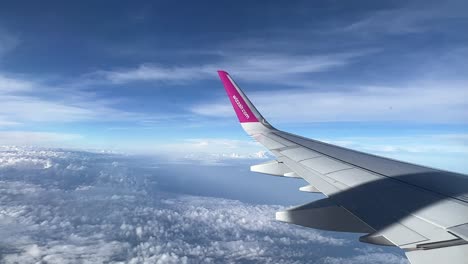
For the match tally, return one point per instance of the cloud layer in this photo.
(78, 207)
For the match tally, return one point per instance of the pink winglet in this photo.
(240, 106)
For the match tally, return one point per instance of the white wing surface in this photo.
(422, 210)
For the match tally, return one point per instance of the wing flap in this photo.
(324, 214)
(313, 178)
(461, 231)
(274, 167)
(451, 254)
(401, 235)
(309, 188)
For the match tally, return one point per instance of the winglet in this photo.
(251, 120)
(245, 111)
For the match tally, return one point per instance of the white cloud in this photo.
(16, 137)
(398, 21)
(412, 18)
(8, 84)
(8, 42)
(432, 143)
(444, 151)
(212, 150)
(6, 123)
(147, 72)
(370, 258)
(285, 69)
(28, 101)
(112, 212)
(418, 102)
(34, 109)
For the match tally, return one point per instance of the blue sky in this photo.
(388, 78)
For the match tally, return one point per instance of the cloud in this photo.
(282, 68)
(28, 101)
(211, 150)
(8, 42)
(113, 210)
(9, 85)
(436, 143)
(445, 151)
(418, 102)
(414, 17)
(6, 123)
(15, 137)
(149, 72)
(34, 109)
(398, 21)
(370, 258)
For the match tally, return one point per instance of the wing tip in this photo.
(244, 110)
(223, 72)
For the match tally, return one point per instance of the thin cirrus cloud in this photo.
(419, 102)
(440, 143)
(34, 138)
(256, 67)
(8, 85)
(410, 19)
(8, 42)
(443, 150)
(399, 21)
(300, 60)
(27, 101)
(21, 101)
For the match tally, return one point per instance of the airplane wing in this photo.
(422, 210)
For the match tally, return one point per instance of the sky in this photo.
(119, 145)
(140, 77)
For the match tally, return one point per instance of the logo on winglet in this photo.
(241, 107)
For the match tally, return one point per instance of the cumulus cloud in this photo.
(367, 258)
(59, 206)
(213, 150)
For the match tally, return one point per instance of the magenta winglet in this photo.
(244, 113)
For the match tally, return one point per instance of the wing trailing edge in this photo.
(326, 215)
(451, 254)
(275, 168)
(309, 188)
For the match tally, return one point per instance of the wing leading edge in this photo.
(422, 210)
